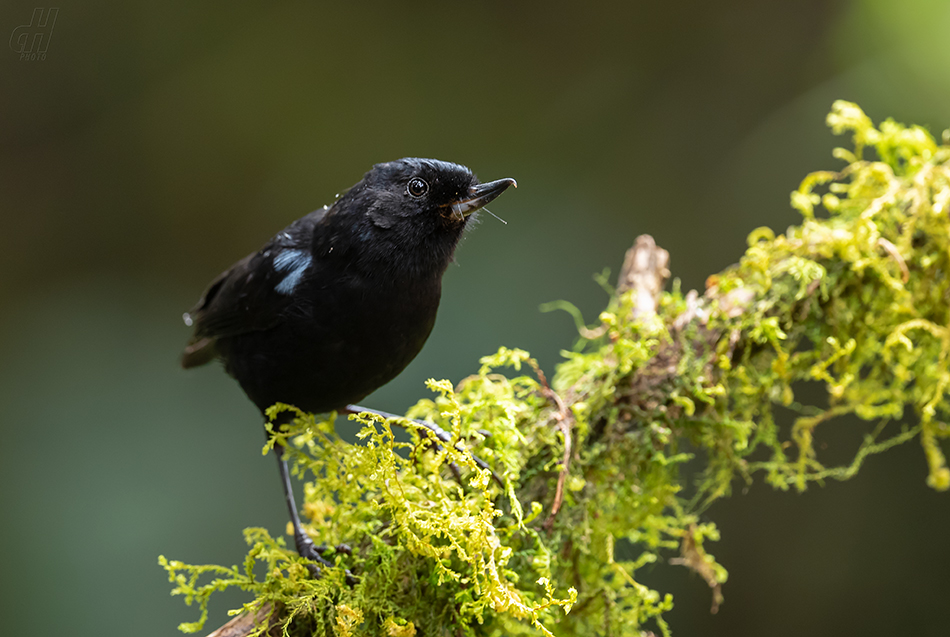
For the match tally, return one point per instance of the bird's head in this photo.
(414, 204)
(429, 192)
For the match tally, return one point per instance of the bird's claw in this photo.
(445, 438)
(308, 550)
(440, 434)
(339, 548)
(436, 430)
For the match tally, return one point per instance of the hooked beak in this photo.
(479, 196)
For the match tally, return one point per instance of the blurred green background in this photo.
(159, 142)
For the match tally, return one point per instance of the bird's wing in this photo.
(252, 295)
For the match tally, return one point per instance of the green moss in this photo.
(854, 299)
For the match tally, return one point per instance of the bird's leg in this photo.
(305, 546)
(436, 430)
(439, 432)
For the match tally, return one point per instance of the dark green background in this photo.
(160, 142)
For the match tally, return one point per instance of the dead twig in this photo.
(565, 421)
(695, 559)
(895, 254)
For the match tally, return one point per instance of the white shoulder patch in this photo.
(294, 263)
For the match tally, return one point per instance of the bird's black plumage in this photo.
(339, 302)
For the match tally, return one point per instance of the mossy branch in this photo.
(855, 299)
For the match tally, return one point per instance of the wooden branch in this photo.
(245, 624)
(645, 271)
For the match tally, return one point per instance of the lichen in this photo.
(855, 299)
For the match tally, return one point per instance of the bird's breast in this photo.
(336, 345)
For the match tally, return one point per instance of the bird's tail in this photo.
(199, 352)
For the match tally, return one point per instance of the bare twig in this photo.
(696, 560)
(565, 424)
(895, 254)
(565, 420)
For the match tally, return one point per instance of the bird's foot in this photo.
(308, 550)
(445, 438)
(438, 432)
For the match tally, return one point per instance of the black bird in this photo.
(339, 302)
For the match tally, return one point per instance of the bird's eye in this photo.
(417, 187)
